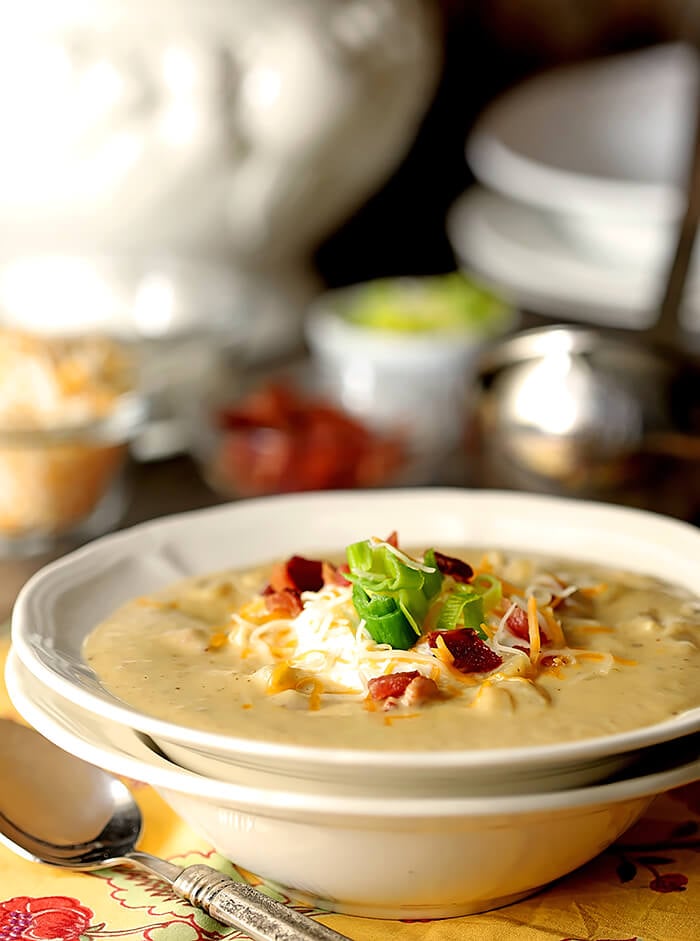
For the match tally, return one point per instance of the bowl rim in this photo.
(104, 561)
(506, 166)
(120, 425)
(120, 750)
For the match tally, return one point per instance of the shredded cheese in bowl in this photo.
(67, 409)
(326, 650)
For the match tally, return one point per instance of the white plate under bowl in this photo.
(603, 138)
(446, 855)
(61, 604)
(522, 252)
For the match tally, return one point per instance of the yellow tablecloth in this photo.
(645, 888)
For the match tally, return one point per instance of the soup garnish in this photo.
(479, 648)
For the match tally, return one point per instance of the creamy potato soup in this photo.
(466, 648)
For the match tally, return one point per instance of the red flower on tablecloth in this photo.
(51, 918)
(669, 882)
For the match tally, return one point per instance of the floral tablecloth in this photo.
(645, 888)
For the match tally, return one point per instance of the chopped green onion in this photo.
(462, 606)
(490, 589)
(433, 580)
(444, 303)
(384, 619)
(380, 566)
(379, 572)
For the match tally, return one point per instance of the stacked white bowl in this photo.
(322, 822)
(580, 174)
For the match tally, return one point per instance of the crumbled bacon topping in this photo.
(393, 684)
(517, 624)
(286, 602)
(298, 573)
(278, 440)
(471, 654)
(458, 569)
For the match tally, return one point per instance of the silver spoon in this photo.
(587, 409)
(60, 810)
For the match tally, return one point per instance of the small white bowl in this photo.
(604, 139)
(385, 858)
(61, 604)
(404, 381)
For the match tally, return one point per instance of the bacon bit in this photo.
(391, 684)
(458, 569)
(333, 575)
(278, 440)
(471, 654)
(516, 622)
(286, 603)
(552, 661)
(534, 629)
(298, 573)
(519, 625)
(393, 539)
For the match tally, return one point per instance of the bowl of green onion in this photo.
(399, 352)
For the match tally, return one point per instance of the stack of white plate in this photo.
(323, 821)
(579, 191)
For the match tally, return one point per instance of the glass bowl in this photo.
(281, 435)
(68, 410)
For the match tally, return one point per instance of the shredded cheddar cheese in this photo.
(442, 651)
(217, 640)
(281, 678)
(590, 591)
(533, 625)
(554, 629)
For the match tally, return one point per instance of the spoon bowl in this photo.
(59, 810)
(579, 411)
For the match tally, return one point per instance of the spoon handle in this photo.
(241, 906)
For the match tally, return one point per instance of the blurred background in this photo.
(249, 248)
(488, 47)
